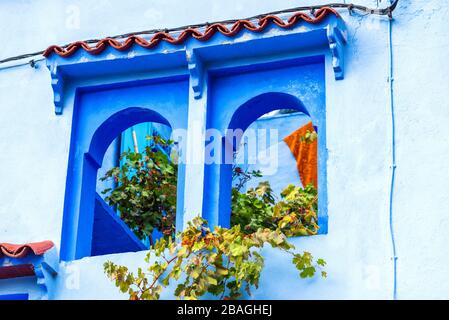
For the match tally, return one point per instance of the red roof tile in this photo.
(263, 22)
(22, 250)
(22, 270)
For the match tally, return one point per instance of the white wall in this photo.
(421, 202)
(34, 144)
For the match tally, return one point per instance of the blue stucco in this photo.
(38, 203)
(110, 234)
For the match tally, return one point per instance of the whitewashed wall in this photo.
(34, 144)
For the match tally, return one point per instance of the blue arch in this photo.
(116, 124)
(264, 103)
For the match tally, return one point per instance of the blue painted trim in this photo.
(68, 233)
(57, 83)
(114, 245)
(337, 40)
(193, 56)
(17, 296)
(196, 70)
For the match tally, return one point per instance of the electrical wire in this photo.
(393, 158)
(349, 6)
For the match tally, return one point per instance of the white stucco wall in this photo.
(34, 144)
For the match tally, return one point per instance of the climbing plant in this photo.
(295, 212)
(221, 262)
(145, 189)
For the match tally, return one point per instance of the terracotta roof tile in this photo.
(318, 16)
(22, 250)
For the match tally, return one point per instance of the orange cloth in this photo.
(305, 154)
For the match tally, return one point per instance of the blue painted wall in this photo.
(110, 234)
(35, 146)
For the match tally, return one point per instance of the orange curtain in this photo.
(305, 154)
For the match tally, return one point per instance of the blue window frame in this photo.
(99, 117)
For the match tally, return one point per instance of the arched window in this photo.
(126, 217)
(100, 230)
(239, 97)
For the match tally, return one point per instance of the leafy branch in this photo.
(222, 262)
(145, 192)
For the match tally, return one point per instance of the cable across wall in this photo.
(388, 11)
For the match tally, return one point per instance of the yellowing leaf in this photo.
(212, 281)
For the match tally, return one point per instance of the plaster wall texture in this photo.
(34, 145)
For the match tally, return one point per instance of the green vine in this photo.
(295, 212)
(145, 192)
(221, 262)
